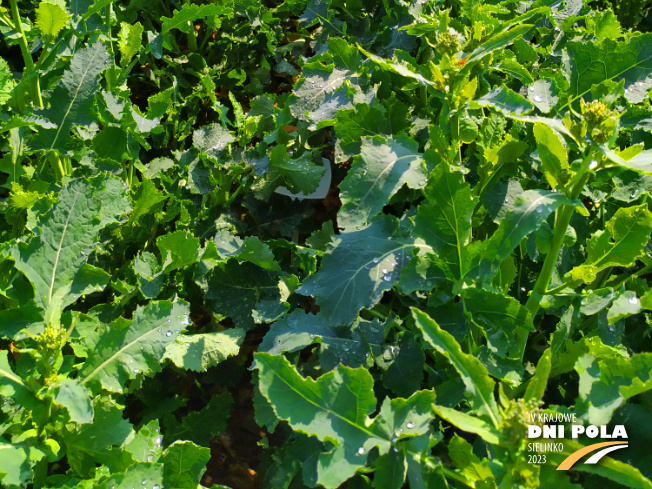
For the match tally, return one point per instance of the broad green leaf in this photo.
(529, 211)
(543, 94)
(198, 352)
(200, 426)
(50, 19)
(298, 330)
(383, 167)
(500, 317)
(240, 291)
(71, 102)
(471, 424)
(126, 351)
(142, 475)
(516, 70)
(14, 387)
(444, 220)
(182, 19)
(15, 463)
(554, 159)
(211, 139)
(405, 374)
(130, 38)
(98, 442)
(461, 453)
(178, 249)
(479, 386)
(357, 268)
(336, 408)
(618, 245)
(391, 470)
(627, 304)
(299, 175)
(55, 260)
(184, 463)
(607, 381)
(71, 394)
(590, 64)
(398, 68)
(145, 445)
(536, 387)
(250, 249)
(146, 200)
(506, 101)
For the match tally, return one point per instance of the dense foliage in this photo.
(310, 243)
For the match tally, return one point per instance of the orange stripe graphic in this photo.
(574, 457)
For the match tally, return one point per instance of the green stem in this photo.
(34, 85)
(55, 163)
(111, 75)
(563, 218)
(192, 40)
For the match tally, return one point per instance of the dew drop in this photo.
(169, 320)
(640, 84)
(156, 486)
(531, 89)
(375, 260)
(387, 278)
(633, 194)
(187, 344)
(410, 425)
(361, 451)
(538, 98)
(143, 482)
(522, 289)
(506, 201)
(176, 331)
(422, 183)
(540, 209)
(169, 333)
(136, 370)
(158, 440)
(633, 300)
(384, 270)
(150, 458)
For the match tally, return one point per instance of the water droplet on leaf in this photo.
(361, 451)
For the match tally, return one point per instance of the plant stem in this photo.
(562, 221)
(110, 75)
(192, 40)
(34, 85)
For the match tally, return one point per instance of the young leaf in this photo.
(383, 167)
(182, 19)
(536, 387)
(343, 419)
(619, 245)
(200, 426)
(129, 41)
(50, 19)
(134, 476)
(554, 158)
(14, 457)
(184, 464)
(71, 394)
(126, 351)
(474, 375)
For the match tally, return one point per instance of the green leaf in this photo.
(391, 470)
(130, 38)
(461, 453)
(627, 304)
(506, 101)
(444, 220)
(71, 394)
(126, 351)
(250, 249)
(618, 245)
(211, 139)
(543, 94)
(398, 68)
(383, 167)
(300, 175)
(479, 386)
(200, 426)
(184, 464)
(471, 424)
(238, 290)
(536, 387)
(529, 211)
(178, 249)
(357, 268)
(182, 19)
(321, 93)
(6, 82)
(516, 70)
(607, 380)
(15, 463)
(590, 64)
(12, 386)
(98, 442)
(343, 419)
(150, 473)
(198, 352)
(54, 261)
(51, 18)
(71, 102)
(554, 159)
